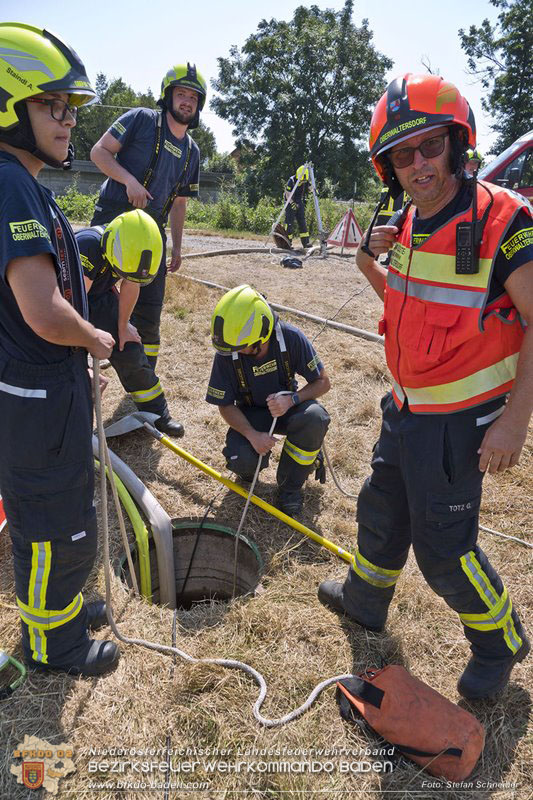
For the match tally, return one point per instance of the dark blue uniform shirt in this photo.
(95, 265)
(26, 230)
(136, 132)
(266, 375)
(299, 193)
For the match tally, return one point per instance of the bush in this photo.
(76, 206)
(230, 212)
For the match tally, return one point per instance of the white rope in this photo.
(166, 649)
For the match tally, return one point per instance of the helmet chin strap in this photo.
(22, 136)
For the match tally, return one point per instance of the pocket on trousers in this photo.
(452, 507)
(50, 503)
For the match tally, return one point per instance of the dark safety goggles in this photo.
(58, 108)
(429, 148)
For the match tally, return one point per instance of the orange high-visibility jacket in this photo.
(446, 348)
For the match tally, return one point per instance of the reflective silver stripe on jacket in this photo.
(437, 294)
(39, 394)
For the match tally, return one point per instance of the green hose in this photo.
(141, 535)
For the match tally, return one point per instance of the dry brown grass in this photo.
(283, 632)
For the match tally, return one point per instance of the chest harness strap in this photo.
(152, 167)
(281, 355)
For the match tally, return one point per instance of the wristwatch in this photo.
(295, 397)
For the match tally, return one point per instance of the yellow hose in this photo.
(270, 509)
(141, 536)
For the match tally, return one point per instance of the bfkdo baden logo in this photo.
(43, 764)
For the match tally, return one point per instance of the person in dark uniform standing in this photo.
(296, 208)
(257, 358)
(153, 164)
(127, 250)
(458, 314)
(46, 459)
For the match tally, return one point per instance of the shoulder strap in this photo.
(244, 389)
(281, 355)
(155, 152)
(174, 193)
(284, 355)
(64, 262)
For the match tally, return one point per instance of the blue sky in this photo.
(139, 41)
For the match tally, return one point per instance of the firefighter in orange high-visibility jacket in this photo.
(458, 314)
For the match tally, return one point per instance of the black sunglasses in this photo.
(58, 108)
(429, 148)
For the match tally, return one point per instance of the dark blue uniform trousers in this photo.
(47, 482)
(304, 426)
(299, 214)
(425, 492)
(132, 366)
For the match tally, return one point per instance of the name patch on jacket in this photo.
(313, 363)
(28, 229)
(218, 393)
(521, 239)
(399, 257)
(172, 148)
(264, 369)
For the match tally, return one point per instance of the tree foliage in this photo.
(501, 57)
(115, 98)
(301, 91)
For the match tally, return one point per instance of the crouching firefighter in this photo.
(456, 296)
(46, 459)
(257, 358)
(129, 250)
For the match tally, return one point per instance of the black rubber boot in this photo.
(96, 615)
(95, 658)
(169, 426)
(291, 503)
(485, 678)
(330, 595)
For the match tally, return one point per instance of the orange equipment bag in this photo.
(422, 724)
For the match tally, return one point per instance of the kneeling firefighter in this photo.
(129, 250)
(257, 358)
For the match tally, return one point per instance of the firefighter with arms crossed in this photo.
(152, 163)
(46, 460)
(459, 344)
(257, 358)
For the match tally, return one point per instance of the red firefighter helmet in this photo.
(415, 103)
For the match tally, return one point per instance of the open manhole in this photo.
(204, 555)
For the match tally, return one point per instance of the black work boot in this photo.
(96, 615)
(485, 678)
(330, 594)
(291, 503)
(94, 658)
(170, 426)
